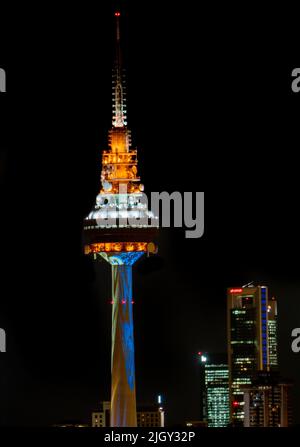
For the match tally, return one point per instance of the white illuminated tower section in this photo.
(120, 229)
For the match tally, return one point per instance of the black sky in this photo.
(211, 109)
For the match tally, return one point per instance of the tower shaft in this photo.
(123, 396)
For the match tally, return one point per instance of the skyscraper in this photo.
(214, 393)
(120, 229)
(252, 341)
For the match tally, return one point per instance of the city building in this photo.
(150, 416)
(267, 403)
(214, 393)
(121, 230)
(273, 334)
(147, 416)
(217, 395)
(252, 341)
(102, 418)
(202, 360)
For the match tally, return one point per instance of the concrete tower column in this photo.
(123, 397)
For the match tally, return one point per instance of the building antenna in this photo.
(119, 113)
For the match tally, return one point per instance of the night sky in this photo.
(211, 109)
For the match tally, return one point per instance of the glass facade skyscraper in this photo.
(214, 389)
(217, 395)
(252, 341)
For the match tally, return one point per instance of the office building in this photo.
(252, 341)
(267, 403)
(214, 394)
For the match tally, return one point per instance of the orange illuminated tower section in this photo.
(121, 229)
(119, 164)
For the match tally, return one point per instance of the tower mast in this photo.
(120, 229)
(119, 88)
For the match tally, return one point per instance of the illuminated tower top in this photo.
(121, 204)
(119, 163)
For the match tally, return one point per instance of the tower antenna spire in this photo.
(119, 89)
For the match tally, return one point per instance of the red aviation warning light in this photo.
(117, 14)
